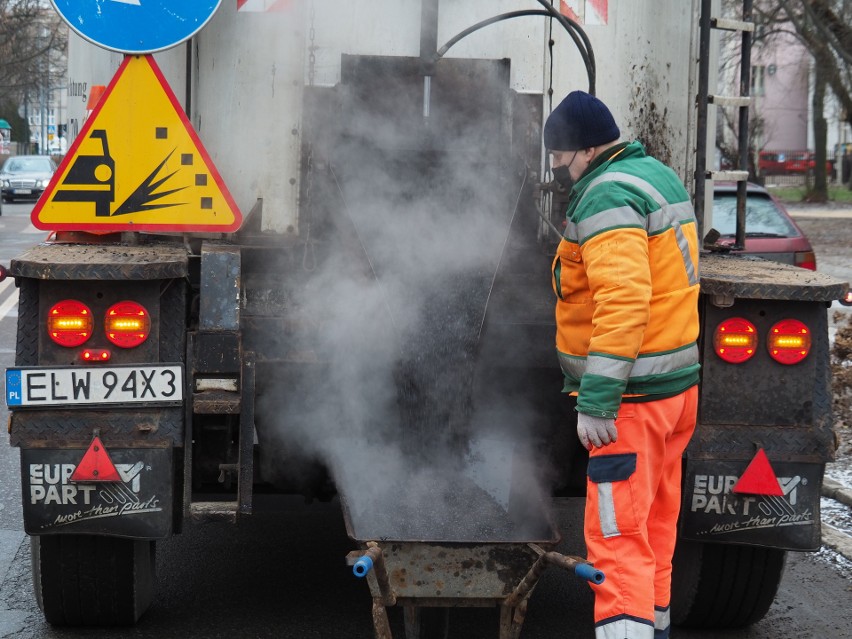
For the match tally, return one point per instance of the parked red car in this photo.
(771, 232)
(787, 162)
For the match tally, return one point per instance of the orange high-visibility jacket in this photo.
(626, 281)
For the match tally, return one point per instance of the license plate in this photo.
(75, 385)
(22, 191)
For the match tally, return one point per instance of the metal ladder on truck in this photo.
(742, 102)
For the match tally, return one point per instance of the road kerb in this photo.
(837, 540)
(836, 490)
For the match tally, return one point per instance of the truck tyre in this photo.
(723, 586)
(427, 623)
(91, 580)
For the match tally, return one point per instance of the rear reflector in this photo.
(759, 478)
(735, 340)
(95, 465)
(127, 324)
(69, 323)
(789, 341)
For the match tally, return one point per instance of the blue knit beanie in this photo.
(580, 121)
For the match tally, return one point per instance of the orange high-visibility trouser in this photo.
(632, 508)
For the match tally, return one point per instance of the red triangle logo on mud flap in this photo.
(759, 478)
(95, 465)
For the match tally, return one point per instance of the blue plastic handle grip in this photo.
(362, 566)
(589, 573)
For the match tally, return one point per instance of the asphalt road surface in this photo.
(281, 572)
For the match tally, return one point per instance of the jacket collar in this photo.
(615, 153)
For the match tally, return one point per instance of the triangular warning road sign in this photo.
(95, 465)
(759, 478)
(137, 165)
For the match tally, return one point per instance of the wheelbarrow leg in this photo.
(380, 620)
(512, 620)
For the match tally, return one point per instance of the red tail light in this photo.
(806, 259)
(96, 355)
(789, 341)
(735, 340)
(127, 324)
(69, 323)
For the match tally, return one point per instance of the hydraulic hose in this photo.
(577, 35)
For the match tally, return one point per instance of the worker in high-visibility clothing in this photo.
(626, 282)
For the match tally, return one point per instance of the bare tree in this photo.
(32, 52)
(824, 27)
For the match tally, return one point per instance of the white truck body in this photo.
(250, 70)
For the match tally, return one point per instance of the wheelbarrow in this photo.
(427, 576)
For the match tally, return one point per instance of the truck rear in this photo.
(381, 321)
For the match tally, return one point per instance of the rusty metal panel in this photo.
(217, 352)
(73, 428)
(220, 288)
(742, 276)
(425, 570)
(813, 445)
(216, 402)
(102, 262)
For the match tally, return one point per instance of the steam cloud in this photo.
(399, 302)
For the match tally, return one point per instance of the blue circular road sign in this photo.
(136, 26)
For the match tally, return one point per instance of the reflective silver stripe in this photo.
(616, 176)
(575, 367)
(602, 220)
(666, 363)
(572, 366)
(606, 510)
(662, 618)
(668, 214)
(689, 265)
(624, 629)
(608, 367)
(571, 233)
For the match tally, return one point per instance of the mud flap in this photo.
(139, 506)
(712, 512)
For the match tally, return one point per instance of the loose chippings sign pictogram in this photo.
(137, 165)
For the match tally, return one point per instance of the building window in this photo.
(758, 73)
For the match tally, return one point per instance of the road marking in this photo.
(9, 304)
(32, 230)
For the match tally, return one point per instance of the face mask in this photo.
(562, 175)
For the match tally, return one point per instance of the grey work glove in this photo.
(595, 432)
